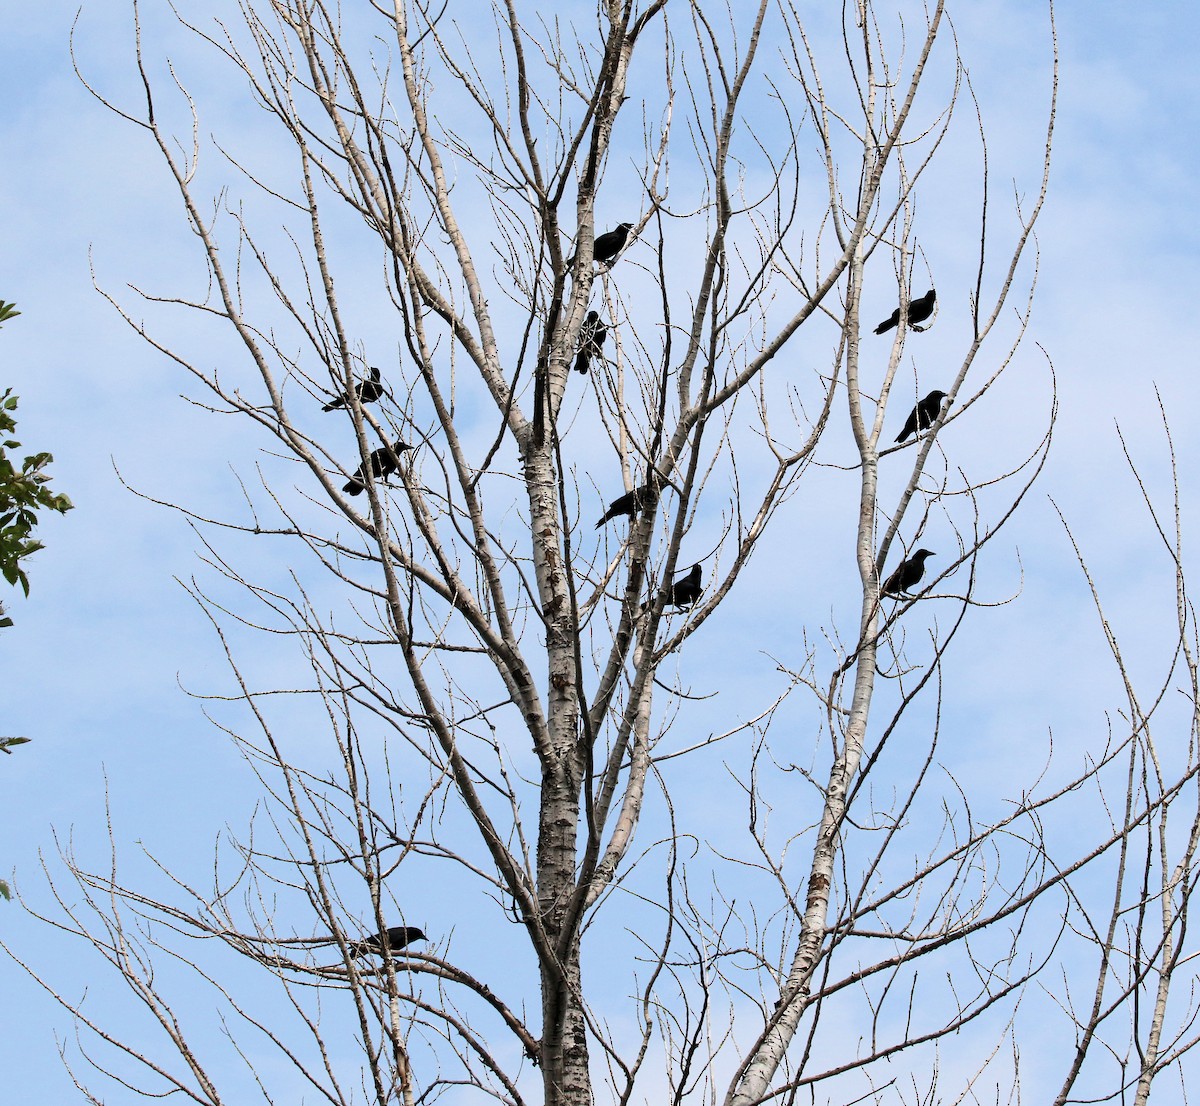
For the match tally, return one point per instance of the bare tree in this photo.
(506, 686)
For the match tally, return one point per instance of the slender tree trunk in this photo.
(756, 1076)
(564, 1043)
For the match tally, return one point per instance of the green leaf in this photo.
(24, 494)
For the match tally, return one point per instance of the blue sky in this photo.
(94, 670)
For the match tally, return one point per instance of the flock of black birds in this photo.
(386, 459)
(908, 572)
(593, 332)
(683, 593)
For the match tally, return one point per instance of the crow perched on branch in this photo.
(685, 592)
(384, 461)
(918, 311)
(607, 246)
(908, 573)
(631, 504)
(591, 339)
(681, 593)
(395, 938)
(368, 392)
(922, 416)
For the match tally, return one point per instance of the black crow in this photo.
(918, 311)
(608, 245)
(682, 593)
(908, 573)
(591, 339)
(396, 938)
(923, 415)
(685, 592)
(631, 504)
(368, 392)
(384, 461)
